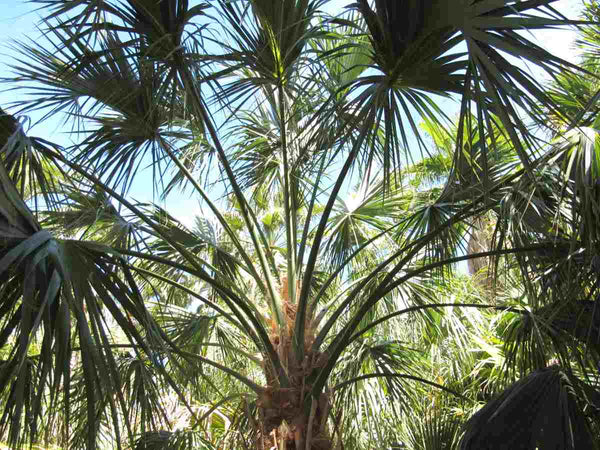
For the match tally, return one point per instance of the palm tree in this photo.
(294, 129)
(553, 347)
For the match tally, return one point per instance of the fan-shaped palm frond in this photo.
(91, 215)
(359, 217)
(411, 46)
(158, 28)
(30, 162)
(540, 411)
(294, 312)
(271, 45)
(57, 291)
(432, 427)
(126, 103)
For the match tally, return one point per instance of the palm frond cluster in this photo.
(363, 269)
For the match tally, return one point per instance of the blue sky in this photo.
(18, 21)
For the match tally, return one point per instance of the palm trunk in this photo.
(480, 241)
(286, 421)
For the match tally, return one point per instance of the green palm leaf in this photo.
(539, 411)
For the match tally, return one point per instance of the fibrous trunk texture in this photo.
(287, 420)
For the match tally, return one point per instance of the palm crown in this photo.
(319, 236)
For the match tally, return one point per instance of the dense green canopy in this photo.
(365, 267)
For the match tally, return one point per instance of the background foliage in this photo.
(364, 269)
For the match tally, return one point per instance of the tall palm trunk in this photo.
(480, 241)
(286, 421)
